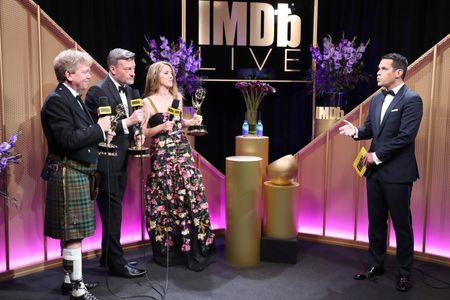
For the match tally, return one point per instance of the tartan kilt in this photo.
(69, 209)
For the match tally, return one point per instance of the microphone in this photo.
(104, 109)
(136, 101)
(173, 110)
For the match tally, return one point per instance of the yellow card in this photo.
(358, 164)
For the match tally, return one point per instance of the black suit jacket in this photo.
(393, 140)
(107, 88)
(70, 131)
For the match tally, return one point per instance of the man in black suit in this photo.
(72, 138)
(392, 123)
(113, 169)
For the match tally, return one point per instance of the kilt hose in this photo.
(69, 209)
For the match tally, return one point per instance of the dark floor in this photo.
(322, 272)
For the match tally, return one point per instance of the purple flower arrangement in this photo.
(6, 159)
(185, 60)
(253, 92)
(339, 67)
(5, 153)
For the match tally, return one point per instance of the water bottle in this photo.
(245, 128)
(259, 128)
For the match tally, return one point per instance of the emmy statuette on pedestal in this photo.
(197, 100)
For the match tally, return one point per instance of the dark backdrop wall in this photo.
(409, 27)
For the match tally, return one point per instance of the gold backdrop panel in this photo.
(243, 210)
(281, 221)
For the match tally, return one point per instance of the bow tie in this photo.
(387, 92)
(122, 89)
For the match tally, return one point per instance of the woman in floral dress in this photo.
(178, 220)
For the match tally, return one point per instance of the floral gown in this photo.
(177, 212)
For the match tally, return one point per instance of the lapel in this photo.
(74, 104)
(397, 98)
(112, 90)
(377, 115)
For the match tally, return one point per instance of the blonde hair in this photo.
(152, 82)
(68, 60)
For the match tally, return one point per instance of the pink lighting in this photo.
(2, 241)
(339, 210)
(214, 182)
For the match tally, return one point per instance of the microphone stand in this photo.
(142, 175)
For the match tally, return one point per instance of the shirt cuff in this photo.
(356, 133)
(376, 159)
(125, 128)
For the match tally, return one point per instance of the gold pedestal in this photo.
(243, 209)
(254, 146)
(280, 210)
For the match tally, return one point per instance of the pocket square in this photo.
(396, 109)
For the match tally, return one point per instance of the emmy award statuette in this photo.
(109, 149)
(197, 100)
(138, 150)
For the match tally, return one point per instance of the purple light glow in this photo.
(26, 239)
(310, 216)
(2, 241)
(317, 230)
(215, 190)
(343, 234)
(53, 248)
(441, 250)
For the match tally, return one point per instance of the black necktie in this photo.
(122, 89)
(80, 102)
(387, 92)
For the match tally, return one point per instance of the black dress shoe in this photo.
(369, 273)
(66, 288)
(404, 284)
(86, 296)
(126, 271)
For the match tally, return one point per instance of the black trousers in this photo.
(109, 200)
(392, 198)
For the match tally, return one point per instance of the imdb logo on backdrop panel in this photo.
(264, 40)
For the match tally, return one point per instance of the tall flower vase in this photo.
(329, 109)
(251, 116)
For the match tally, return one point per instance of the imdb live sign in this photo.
(253, 39)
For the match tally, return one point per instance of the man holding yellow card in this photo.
(392, 123)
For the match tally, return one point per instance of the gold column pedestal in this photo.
(243, 209)
(280, 210)
(254, 146)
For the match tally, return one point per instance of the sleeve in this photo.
(365, 132)
(66, 132)
(407, 132)
(92, 101)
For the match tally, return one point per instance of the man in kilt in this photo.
(72, 138)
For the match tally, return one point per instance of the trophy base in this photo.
(105, 149)
(197, 130)
(138, 152)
